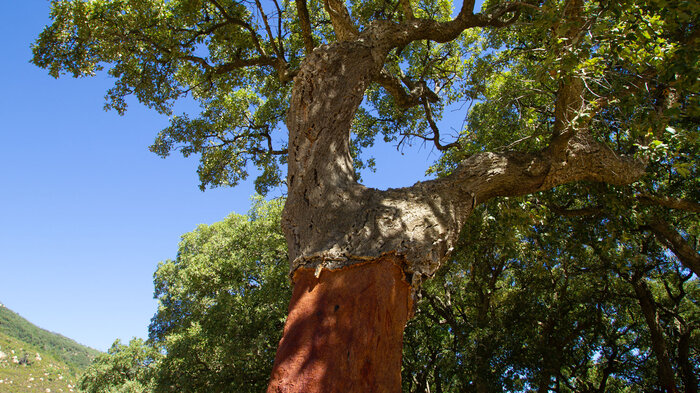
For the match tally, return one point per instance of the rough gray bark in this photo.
(346, 221)
(331, 221)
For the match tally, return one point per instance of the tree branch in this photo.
(231, 65)
(564, 212)
(569, 107)
(393, 85)
(305, 22)
(244, 24)
(676, 243)
(445, 312)
(487, 175)
(659, 347)
(280, 41)
(343, 26)
(429, 29)
(274, 44)
(436, 130)
(278, 62)
(671, 203)
(406, 9)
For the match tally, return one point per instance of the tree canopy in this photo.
(638, 61)
(528, 78)
(541, 302)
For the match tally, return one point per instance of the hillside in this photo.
(63, 349)
(27, 369)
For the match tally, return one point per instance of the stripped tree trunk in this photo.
(333, 224)
(344, 331)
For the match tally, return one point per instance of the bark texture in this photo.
(331, 221)
(344, 331)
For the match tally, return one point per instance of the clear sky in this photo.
(86, 211)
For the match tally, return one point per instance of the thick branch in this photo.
(674, 241)
(343, 26)
(305, 22)
(690, 380)
(671, 203)
(487, 175)
(231, 65)
(429, 29)
(570, 104)
(659, 347)
(404, 100)
(406, 9)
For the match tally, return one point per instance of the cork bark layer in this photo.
(344, 331)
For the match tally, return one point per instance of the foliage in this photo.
(237, 60)
(223, 303)
(123, 369)
(638, 61)
(64, 349)
(583, 253)
(520, 306)
(523, 307)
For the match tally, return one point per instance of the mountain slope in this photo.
(27, 369)
(76, 356)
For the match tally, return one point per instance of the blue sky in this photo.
(86, 211)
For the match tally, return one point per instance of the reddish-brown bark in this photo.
(344, 332)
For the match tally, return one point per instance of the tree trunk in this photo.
(690, 380)
(646, 302)
(332, 223)
(344, 332)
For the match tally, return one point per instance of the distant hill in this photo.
(15, 330)
(27, 369)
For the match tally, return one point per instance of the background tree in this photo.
(569, 91)
(532, 300)
(123, 369)
(222, 304)
(556, 307)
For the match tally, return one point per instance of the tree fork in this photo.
(340, 233)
